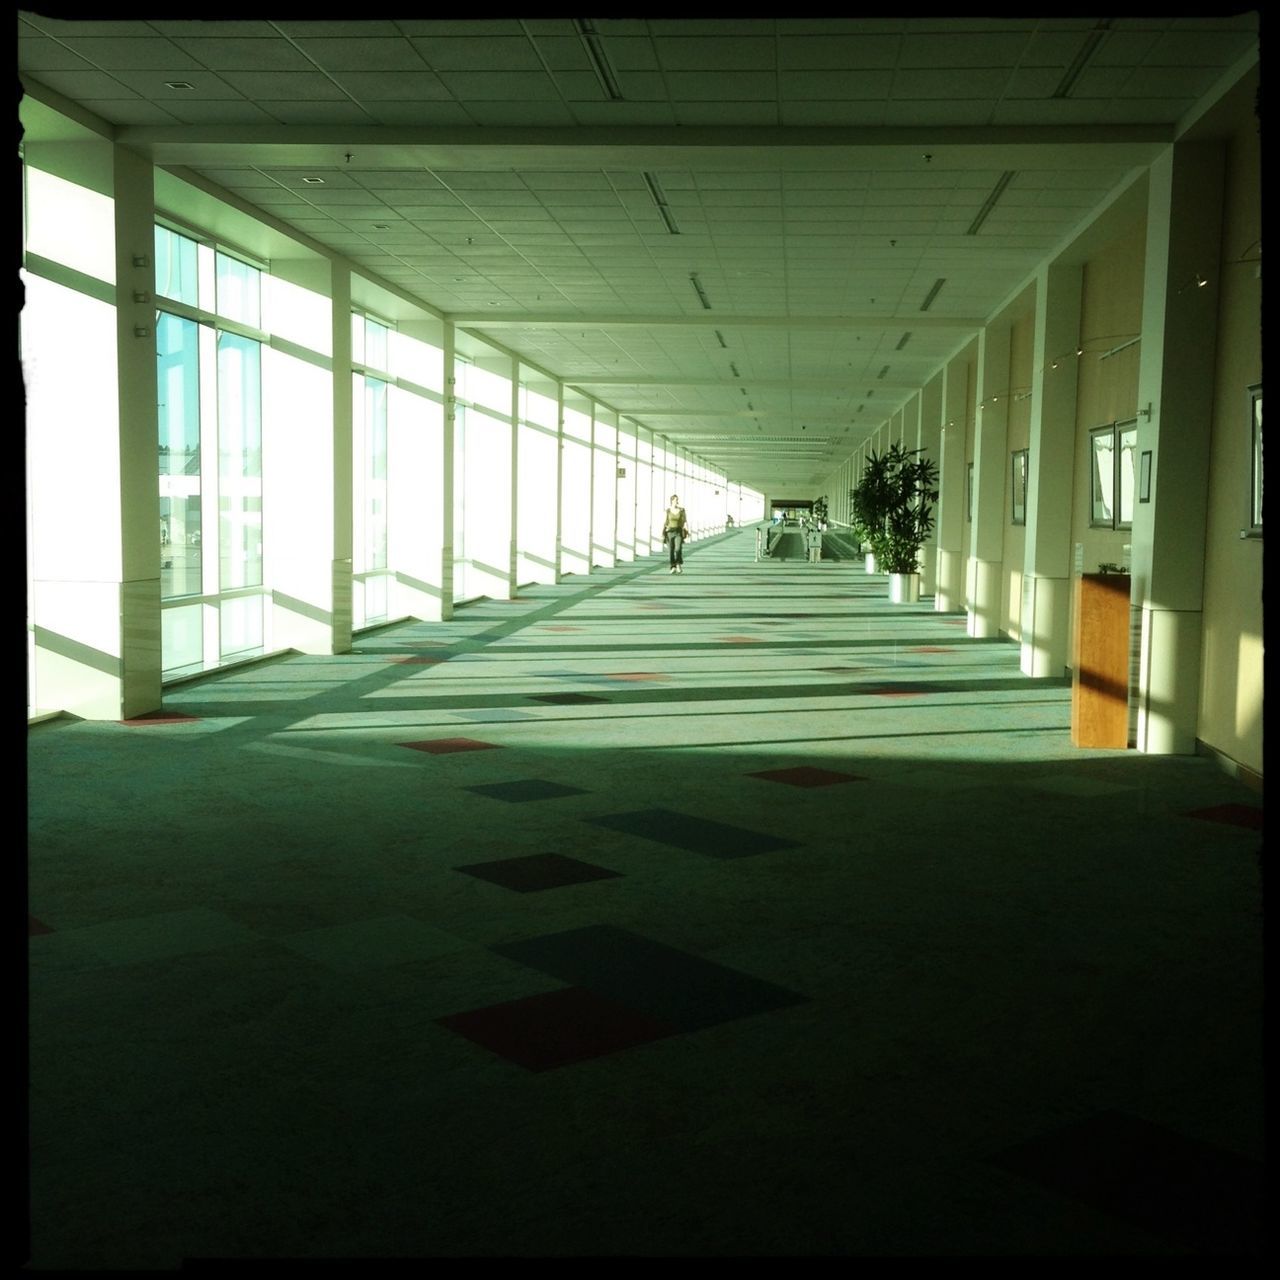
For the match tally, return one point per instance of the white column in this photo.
(447, 486)
(1175, 399)
(1046, 572)
(952, 497)
(990, 459)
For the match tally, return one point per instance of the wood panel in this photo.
(1100, 661)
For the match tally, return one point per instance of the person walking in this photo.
(675, 530)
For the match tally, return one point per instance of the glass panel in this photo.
(1126, 471)
(1102, 442)
(1018, 480)
(241, 626)
(239, 295)
(182, 638)
(178, 397)
(239, 462)
(175, 267)
(1255, 405)
(375, 477)
(375, 345)
(357, 338)
(375, 598)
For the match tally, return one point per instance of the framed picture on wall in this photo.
(1018, 486)
(1255, 485)
(1144, 476)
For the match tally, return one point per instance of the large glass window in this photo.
(209, 395)
(239, 461)
(178, 388)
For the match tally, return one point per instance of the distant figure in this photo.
(728, 522)
(813, 540)
(675, 529)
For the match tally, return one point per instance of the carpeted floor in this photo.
(735, 913)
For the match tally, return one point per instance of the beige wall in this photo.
(1021, 372)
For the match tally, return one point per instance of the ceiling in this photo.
(756, 237)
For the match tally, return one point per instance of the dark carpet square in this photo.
(551, 627)
(891, 691)
(840, 671)
(675, 988)
(556, 1028)
(698, 835)
(568, 699)
(160, 717)
(739, 639)
(537, 871)
(443, 746)
(806, 776)
(35, 927)
(419, 660)
(525, 789)
(1189, 1192)
(1236, 815)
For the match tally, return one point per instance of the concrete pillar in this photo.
(930, 440)
(949, 587)
(447, 497)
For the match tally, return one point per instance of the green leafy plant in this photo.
(869, 500)
(908, 491)
(820, 509)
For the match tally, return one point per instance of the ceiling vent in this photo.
(697, 288)
(881, 374)
(902, 341)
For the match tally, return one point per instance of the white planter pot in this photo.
(904, 588)
(871, 562)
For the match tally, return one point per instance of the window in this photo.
(968, 509)
(1255, 485)
(1019, 486)
(1111, 456)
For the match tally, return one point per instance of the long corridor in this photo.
(730, 913)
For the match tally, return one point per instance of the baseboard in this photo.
(1233, 768)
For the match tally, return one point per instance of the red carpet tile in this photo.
(806, 776)
(1236, 815)
(739, 639)
(160, 717)
(555, 1028)
(559, 628)
(442, 746)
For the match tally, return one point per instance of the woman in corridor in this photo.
(675, 530)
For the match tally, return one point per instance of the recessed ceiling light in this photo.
(178, 84)
(314, 181)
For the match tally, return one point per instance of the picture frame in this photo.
(1144, 476)
(1018, 486)
(1255, 466)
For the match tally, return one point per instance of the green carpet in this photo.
(734, 913)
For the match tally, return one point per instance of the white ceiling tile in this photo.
(956, 84)
(219, 111)
(726, 114)
(282, 86)
(500, 86)
(487, 53)
(1200, 48)
(40, 53)
(362, 54)
(720, 53)
(722, 86)
(85, 84)
(64, 28)
(621, 114)
(240, 54)
(835, 86)
(205, 86)
(952, 50)
(318, 28)
(129, 111)
(484, 27)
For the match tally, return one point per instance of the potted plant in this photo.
(910, 491)
(869, 505)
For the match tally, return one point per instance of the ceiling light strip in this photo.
(933, 293)
(990, 203)
(1087, 50)
(697, 288)
(660, 199)
(599, 61)
(902, 341)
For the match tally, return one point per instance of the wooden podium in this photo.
(1100, 661)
